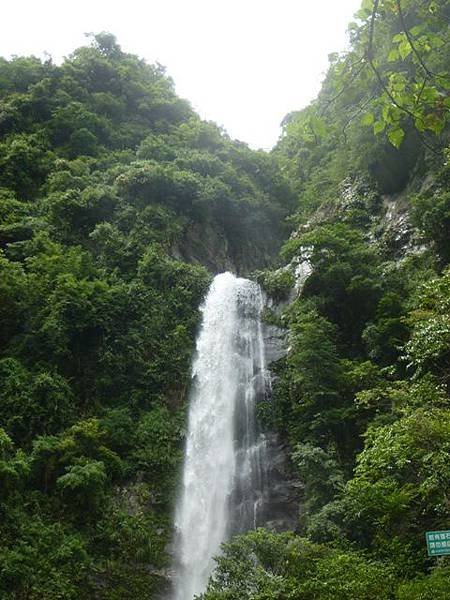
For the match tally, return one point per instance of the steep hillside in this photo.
(117, 203)
(362, 293)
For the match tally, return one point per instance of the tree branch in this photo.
(374, 68)
(345, 87)
(410, 40)
(359, 110)
(380, 79)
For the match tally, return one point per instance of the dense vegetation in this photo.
(363, 393)
(117, 203)
(107, 182)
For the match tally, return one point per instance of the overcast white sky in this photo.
(244, 64)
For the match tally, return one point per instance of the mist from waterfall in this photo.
(223, 477)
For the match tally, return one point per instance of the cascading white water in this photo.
(223, 477)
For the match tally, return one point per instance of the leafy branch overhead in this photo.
(394, 78)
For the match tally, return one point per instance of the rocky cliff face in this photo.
(242, 247)
(203, 244)
(389, 225)
(284, 490)
(281, 507)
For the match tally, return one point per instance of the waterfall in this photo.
(223, 476)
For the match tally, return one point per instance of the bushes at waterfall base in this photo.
(284, 566)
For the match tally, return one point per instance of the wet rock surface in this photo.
(210, 245)
(275, 343)
(284, 490)
(281, 505)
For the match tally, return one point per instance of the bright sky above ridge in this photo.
(241, 63)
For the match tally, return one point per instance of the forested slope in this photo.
(362, 395)
(108, 181)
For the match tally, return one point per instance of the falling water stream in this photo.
(223, 477)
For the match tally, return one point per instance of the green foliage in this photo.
(83, 484)
(277, 284)
(362, 395)
(33, 404)
(42, 560)
(383, 108)
(309, 375)
(108, 183)
(272, 566)
(433, 587)
(344, 279)
(393, 77)
(428, 348)
(433, 214)
(129, 538)
(13, 467)
(321, 473)
(158, 449)
(24, 163)
(400, 487)
(387, 334)
(431, 211)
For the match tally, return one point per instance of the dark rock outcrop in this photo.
(283, 493)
